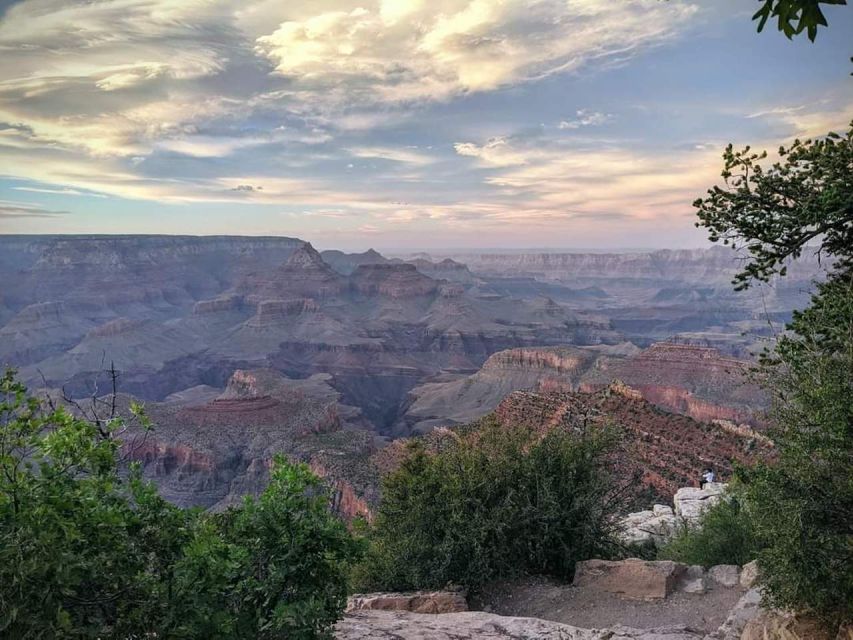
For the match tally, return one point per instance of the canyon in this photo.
(243, 347)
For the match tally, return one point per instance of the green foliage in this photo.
(775, 212)
(492, 503)
(88, 552)
(724, 535)
(794, 16)
(801, 502)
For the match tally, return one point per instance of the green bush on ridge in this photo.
(493, 503)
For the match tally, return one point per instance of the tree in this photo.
(794, 16)
(492, 503)
(775, 213)
(801, 503)
(88, 551)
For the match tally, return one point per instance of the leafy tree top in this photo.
(794, 16)
(775, 212)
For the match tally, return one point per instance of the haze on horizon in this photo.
(397, 124)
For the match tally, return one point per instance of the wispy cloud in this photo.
(585, 118)
(10, 209)
(60, 192)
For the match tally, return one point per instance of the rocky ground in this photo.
(478, 625)
(608, 600)
(538, 597)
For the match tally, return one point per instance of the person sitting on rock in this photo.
(708, 475)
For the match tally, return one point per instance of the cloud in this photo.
(560, 178)
(10, 209)
(147, 99)
(586, 118)
(358, 115)
(497, 152)
(403, 156)
(776, 111)
(832, 112)
(403, 52)
(60, 192)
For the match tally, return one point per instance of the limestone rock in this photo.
(694, 580)
(478, 625)
(749, 574)
(699, 585)
(632, 578)
(416, 602)
(691, 503)
(643, 527)
(776, 625)
(727, 575)
(747, 608)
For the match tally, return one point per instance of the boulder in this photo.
(416, 602)
(632, 578)
(691, 503)
(698, 585)
(727, 575)
(694, 580)
(648, 527)
(749, 574)
(479, 625)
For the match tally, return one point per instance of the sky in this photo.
(397, 124)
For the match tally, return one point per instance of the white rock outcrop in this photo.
(655, 526)
(660, 523)
(691, 502)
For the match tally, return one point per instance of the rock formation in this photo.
(667, 450)
(211, 453)
(392, 280)
(658, 525)
(692, 502)
(655, 526)
(695, 381)
(197, 309)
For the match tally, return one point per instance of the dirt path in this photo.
(550, 600)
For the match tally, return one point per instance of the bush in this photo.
(89, 552)
(490, 504)
(725, 535)
(803, 500)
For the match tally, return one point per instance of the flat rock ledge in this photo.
(478, 625)
(415, 602)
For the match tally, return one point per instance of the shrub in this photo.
(89, 552)
(725, 535)
(803, 500)
(492, 503)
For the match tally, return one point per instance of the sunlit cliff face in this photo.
(394, 123)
